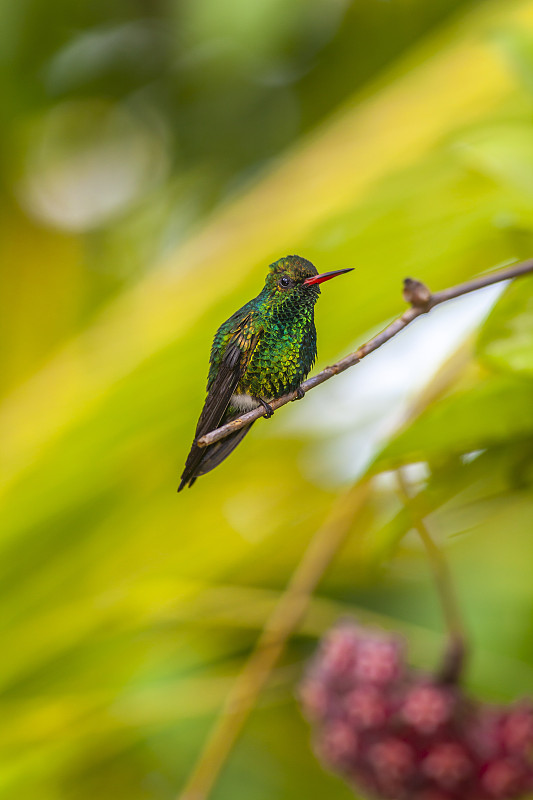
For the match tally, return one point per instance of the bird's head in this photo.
(293, 279)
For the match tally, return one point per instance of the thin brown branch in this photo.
(284, 619)
(421, 301)
(456, 651)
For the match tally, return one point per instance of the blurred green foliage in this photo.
(155, 157)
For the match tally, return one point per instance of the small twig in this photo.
(456, 651)
(282, 622)
(421, 301)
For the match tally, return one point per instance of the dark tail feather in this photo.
(203, 459)
(219, 451)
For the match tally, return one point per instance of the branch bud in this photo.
(416, 293)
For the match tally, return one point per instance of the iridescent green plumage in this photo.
(262, 352)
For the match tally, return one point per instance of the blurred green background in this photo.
(156, 155)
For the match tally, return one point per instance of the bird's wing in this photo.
(228, 371)
(231, 368)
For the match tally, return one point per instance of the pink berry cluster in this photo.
(396, 733)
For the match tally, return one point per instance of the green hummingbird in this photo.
(263, 351)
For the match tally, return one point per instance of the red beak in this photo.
(325, 276)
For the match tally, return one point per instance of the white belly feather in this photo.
(244, 402)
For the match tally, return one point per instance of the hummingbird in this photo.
(263, 351)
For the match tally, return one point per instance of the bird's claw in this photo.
(269, 411)
(300, 394)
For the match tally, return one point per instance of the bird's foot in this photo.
(300, 394)
(269, 411)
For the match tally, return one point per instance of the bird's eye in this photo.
(285, 282)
